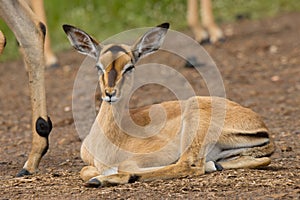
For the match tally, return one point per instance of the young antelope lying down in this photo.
(195, 138)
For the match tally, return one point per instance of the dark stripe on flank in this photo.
(112, 75)
(258, 134)
(115, 49)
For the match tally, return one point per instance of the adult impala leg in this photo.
(208, 21)
(209, 32)
(2, 42)
(193, 21)
(30, 35)
(38, 9)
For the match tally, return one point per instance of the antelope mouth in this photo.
(110, 99)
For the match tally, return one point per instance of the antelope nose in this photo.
(110, 93)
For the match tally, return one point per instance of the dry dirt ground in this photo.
(260, 67)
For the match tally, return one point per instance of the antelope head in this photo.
(115, 62)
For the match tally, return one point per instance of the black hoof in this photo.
(208, 42)
(93, 183)
(23, 172)
(218, 166)
(205, 41)
(53, 66)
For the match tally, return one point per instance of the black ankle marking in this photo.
(53, 66)
(218, 166)
(43, 127)
(46, 149)
(133, 178)
(43, 28)
(23, 172)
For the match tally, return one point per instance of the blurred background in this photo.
(102, 18)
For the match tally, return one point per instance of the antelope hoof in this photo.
(205, 41)
(53, 65)
(213, 166)
(51, 62)
(218, 166)
(208, 41)
(93, 183)
(23, 172)
(218, 40)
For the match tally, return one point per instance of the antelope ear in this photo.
(82, 41)
(150, 41)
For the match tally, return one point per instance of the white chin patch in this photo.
(114, 99)
(110, 99)
(106, 98)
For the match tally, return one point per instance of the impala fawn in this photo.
(190, 142)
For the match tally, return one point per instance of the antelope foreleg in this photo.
(50, 58)
(41, 123)
(208, 21)
(193, 22)
(30, 34)
(2, 42)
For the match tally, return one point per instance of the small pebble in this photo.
(273, 49)
(275, 78)
(67, 108)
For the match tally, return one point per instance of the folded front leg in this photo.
(149, 174)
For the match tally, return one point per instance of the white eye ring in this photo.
(100, 68)
(128, 68)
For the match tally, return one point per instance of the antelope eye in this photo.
(99, 69)
(128, 69)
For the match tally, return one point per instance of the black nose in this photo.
(110, 93)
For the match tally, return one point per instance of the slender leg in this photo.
(2, 42)
(193, 21)
(30, 35)
(38, 9)
(208, 21)
(245, 162)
